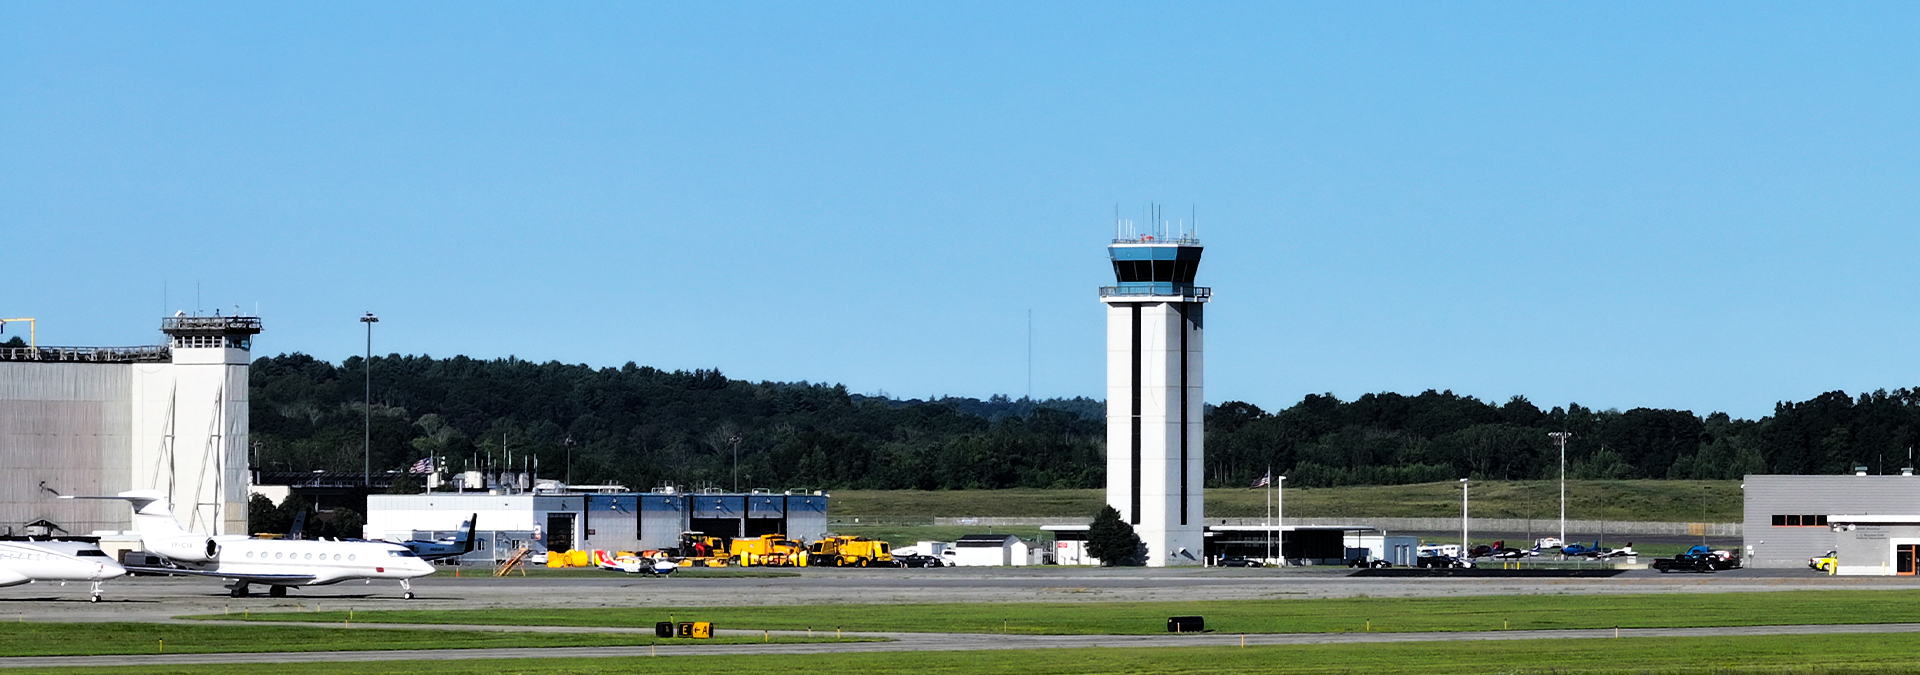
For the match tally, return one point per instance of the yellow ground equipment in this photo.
(697, 545)
(843, 551)
(770, 550)
(574, 558)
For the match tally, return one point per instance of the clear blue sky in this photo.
(1707, 206)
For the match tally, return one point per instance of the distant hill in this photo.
(642, 427)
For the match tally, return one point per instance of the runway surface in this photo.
(163, 599)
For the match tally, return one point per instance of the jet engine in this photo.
(187, 549)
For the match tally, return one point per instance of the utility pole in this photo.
(366, 410)
(736, 463)
(1463, 518)
(1562, 437)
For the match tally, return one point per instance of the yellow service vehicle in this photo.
(1829, 563)
(844, 551)
(769, 550)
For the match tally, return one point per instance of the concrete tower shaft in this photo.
(1155, 394)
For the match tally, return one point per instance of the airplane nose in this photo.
(104, 572)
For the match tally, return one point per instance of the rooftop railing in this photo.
(239, 324)
(1194, 292)
(152, 354)
(1150, 239)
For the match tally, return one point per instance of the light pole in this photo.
(1280, 501)
(366, 410)
(736, 463)
(1562, 436)
(1463, 518)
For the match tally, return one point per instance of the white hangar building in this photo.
(101, 420)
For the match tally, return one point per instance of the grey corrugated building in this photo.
(1866, 518)
(100, 420)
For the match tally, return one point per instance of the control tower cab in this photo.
(1155, 393)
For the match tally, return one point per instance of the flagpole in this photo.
(1269, 479)
(1280, 514)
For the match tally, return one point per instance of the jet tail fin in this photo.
(152, 515)
(473, 524)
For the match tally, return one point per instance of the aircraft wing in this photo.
(282, 579)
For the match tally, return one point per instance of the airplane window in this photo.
(336, 557)
(403, 553)
(249, 554)
(350, 557)
(309, 556)
(276, 556)
(97, 554)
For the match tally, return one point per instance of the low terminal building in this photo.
(1295, 544)
(1070, 544)
(614, 521)
(1310, 545)
(1867, 521)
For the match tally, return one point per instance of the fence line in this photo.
(1538, 527)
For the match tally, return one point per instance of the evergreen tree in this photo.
(1113, 541)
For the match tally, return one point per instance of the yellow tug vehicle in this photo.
(844, 551)
(769, 550)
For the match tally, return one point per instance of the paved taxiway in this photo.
(162, 599)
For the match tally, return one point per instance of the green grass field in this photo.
(1683, 501)
(1801, 654)
(73, 639)
(1520, 612)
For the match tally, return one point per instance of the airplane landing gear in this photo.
(95, 597)
(276, 591)
(407, 586)
(238, 589)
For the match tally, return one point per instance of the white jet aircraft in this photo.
(24, 562)
(276, 563)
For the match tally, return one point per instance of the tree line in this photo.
(642, 427)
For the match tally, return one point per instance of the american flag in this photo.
(1263, 481)
(422, 467)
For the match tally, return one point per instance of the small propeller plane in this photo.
(278, 564)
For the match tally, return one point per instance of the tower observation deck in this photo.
(1155, 393)
(1146, 267)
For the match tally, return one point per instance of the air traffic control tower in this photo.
(1155, 405)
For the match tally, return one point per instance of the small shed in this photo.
(1070, 544)
(988, 550)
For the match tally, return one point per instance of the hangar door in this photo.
(766, 514)
(560, 532)
(719, 515)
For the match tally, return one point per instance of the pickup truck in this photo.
(1697, 559)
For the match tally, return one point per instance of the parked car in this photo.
(1238, 561)
(1697, 559)
(1369, 562)
(917, 560)
(1444, 562)
(1829, 563)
